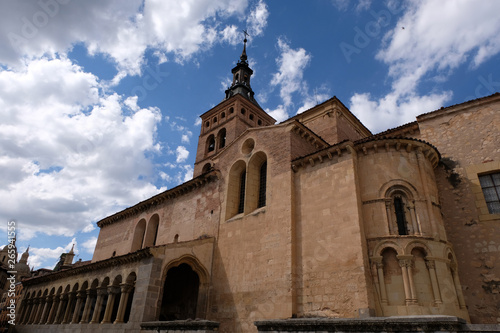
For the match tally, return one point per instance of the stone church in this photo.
(303, 225)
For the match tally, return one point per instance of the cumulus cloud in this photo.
(257, 20)
(71, 154)
(292, 64)
(431, 46)
(122, 31)
(89, 244)
(43, 256)
(181, 154)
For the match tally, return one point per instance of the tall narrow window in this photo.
(211, 143)
(262, 185)
(491, 190)
(241, 202)
(221, 138)
(399, 207)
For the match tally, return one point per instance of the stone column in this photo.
(431, 266)
(381, 280)
(413, 292)
(456, 283)
(403, 263)
(34, 312)
(88, 305)
(26, 311)
(388, 205)
(125, 290)
(39, 309)
(101, 291)
(414, 220)
(79, 302)
(48, 301)
(67, 314)
(112, 292)
(53, 309)
(59, 313)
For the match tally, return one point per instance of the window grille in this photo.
(490, 185)
(262, 185)
(241, 204)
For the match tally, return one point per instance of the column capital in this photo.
(405, 261)
(431, 264)
(113, 290)
(126, 288)
(101, 291)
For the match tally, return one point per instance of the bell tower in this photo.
(225, 122)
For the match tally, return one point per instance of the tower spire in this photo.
(241, 76)
(243, 56)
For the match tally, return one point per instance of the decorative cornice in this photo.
(159, 198)
(92, 267)
(370, 146)
(307, 134)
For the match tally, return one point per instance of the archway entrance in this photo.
(180, 293)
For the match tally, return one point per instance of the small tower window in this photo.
(223, 115)
(231, 110)
(399, 208)
(241, 201)
(259, 122)
(250, 116)
(215, 120)
(242, 111)
(262, 185)
(207, 124)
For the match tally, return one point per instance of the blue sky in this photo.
(99, 100)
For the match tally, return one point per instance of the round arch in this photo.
(195, 284)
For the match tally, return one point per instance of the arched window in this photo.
(241, 202)
(401, 214)
(210, 143)
(152, 231)
(140, 228)
(257, 181)
(236, 189)
(262, 185)
(399, 210)
(221, 138)
(206, 168)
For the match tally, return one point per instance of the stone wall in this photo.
(331, 261)
(467, 135)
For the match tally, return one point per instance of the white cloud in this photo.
(289, 77)
(257, 20)
(430, 46)
(89, 244)
(71, 155)
(231, 35)
(123, 31)
(188, 173)
(181, 154)
(393, 110)
(279, 113)
(47, 257)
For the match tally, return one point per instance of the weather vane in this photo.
(246, 34)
